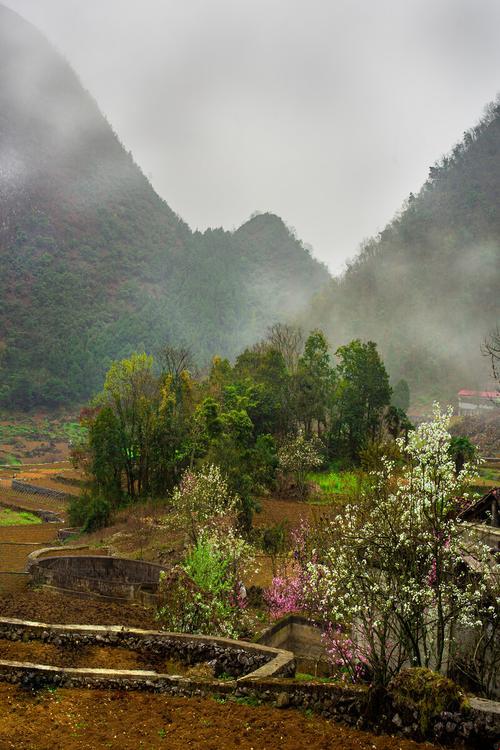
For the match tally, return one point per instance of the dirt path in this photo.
(94, 720)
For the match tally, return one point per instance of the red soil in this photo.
(95, 657)
(45, 606)
(91, 720)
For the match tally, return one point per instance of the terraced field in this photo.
(18, 541)
(10, 498)
(490, 472)
(36, 438)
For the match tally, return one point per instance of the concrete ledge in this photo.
(486, 706)
(236, 658)
(303, 636)
(60, 551)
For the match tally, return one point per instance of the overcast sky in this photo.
(326, 112)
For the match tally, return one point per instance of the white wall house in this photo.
(470, 402)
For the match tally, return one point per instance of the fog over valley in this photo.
(136, 140)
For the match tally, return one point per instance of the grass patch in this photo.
(10, 517)
(41, 430)
(491, 474)
(332, 484)
(8, 460)
(304, 677)
(246, 700)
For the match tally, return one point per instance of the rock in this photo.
(282, 700)
(467, 728)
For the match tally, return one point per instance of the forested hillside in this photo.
(94, 264)
(427, 287)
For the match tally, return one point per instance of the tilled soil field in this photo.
(46, 606)
(95, 657)
(91, 720)
(42, 534)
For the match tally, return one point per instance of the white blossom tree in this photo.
(297, 457)
(399, 571)
(204, 501)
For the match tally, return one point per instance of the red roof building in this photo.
(470, 402)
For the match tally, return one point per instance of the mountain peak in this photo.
(94, 263)
(265, 221)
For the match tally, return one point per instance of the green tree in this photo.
(397, 422)
(461, 451)
(314, 383)
(106, 455)
(174, 437)
(362, 393)
(271, 408)
(401, 395)
(131, 391)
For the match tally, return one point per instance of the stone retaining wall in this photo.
(115, 578)
(479, 728)
(234, 658)
(33, 489)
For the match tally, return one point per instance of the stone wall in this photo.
(234, 658)
(34, 489)
(113, 577)
(478, 728)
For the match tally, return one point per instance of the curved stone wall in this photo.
(477, 727)
(238, 659)
(113, 577)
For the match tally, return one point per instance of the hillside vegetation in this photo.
(427, 287)
(94, 263)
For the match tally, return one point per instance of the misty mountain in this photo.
(427, 287)
(94, 264)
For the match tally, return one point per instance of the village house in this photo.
(473, 402)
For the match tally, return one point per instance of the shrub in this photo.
(205, 594)
(274, 538)
(88, 511)
(285, 594)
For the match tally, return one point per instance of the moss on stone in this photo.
(426, 693)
